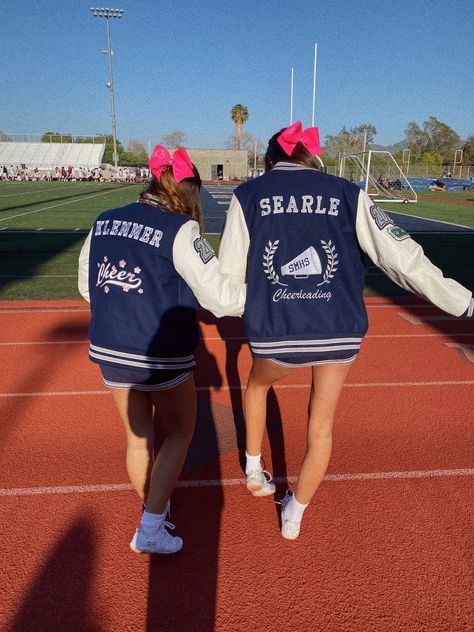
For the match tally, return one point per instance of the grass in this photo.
(430, 206)
(43, 226)
(451, 252)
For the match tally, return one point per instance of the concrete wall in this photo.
(233, 161)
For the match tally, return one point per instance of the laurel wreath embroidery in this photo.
(268, 263)
(330, 250)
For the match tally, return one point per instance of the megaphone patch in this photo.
(307, 263)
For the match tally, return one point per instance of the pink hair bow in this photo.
(181, 164)
(295, 134)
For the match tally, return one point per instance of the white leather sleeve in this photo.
(195, 261)
(234, 244)
(83, 273)
(402, 259)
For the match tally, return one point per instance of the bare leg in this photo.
(263, 374)
(176, 413)
(326, 388)
(136, 410)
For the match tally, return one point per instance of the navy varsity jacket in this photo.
(297, 235)
(144, 270)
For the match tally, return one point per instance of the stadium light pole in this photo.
(291, 95)
(101, 12)
(314, 83)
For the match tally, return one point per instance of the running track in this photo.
(386, 544)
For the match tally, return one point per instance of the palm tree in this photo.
(239, 114)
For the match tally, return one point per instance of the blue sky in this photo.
(182, 64)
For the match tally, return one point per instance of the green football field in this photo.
(43, 226)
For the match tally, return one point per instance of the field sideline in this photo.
(43, 225)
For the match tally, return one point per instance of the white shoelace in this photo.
(268, 475)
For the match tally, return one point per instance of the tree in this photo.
(435, 138)
(351, 140)
(417, 140)
(468, 151)
(109, 149)
(4, 137)
(431, 158)
(239, 114)
(247, 142)
(137, 150)
(177, 138)
(56, 137)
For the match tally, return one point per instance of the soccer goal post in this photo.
(378, 173)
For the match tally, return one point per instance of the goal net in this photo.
(378, 174)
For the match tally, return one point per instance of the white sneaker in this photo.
(289, 530)
(156, 540)
(260, 483)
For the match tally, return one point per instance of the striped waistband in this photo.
(164, 386)
(102, 354)
(285, 347)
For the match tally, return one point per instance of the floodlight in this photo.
(107, 13)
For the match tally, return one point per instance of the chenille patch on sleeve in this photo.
(398, 233)
(381, 218)
(204, 249)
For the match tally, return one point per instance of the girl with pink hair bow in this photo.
(144, 268)
(297, 236)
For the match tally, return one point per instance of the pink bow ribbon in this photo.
(295, 134)
(181, 164)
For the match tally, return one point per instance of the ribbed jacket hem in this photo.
(102, 355)
(314, 347)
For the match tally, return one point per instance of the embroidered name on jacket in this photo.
(299, 204)
(109, 274)
(131, 230)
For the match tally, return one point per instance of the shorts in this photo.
(299, 362)
(143, 379)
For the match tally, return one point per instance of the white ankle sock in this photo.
(294, 510)
(253, 463)
(152, 520)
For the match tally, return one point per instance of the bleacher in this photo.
(50, 155)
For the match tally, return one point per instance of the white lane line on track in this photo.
(233, 338)
(14, 310)
(37, 276)
(45, 208)
(40, 310)
(229, 482)
(419, 320)
(45, 342)
(238, 388)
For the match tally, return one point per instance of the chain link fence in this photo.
(466, 172)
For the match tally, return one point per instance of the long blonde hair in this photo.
(179, 197)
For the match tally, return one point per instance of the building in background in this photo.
(220, 164)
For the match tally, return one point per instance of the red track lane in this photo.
(383, 554)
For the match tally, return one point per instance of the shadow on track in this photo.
(453, 255)
(232, 332)
(182, 588)
(59, 597)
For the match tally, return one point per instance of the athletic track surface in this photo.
(386, 544)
